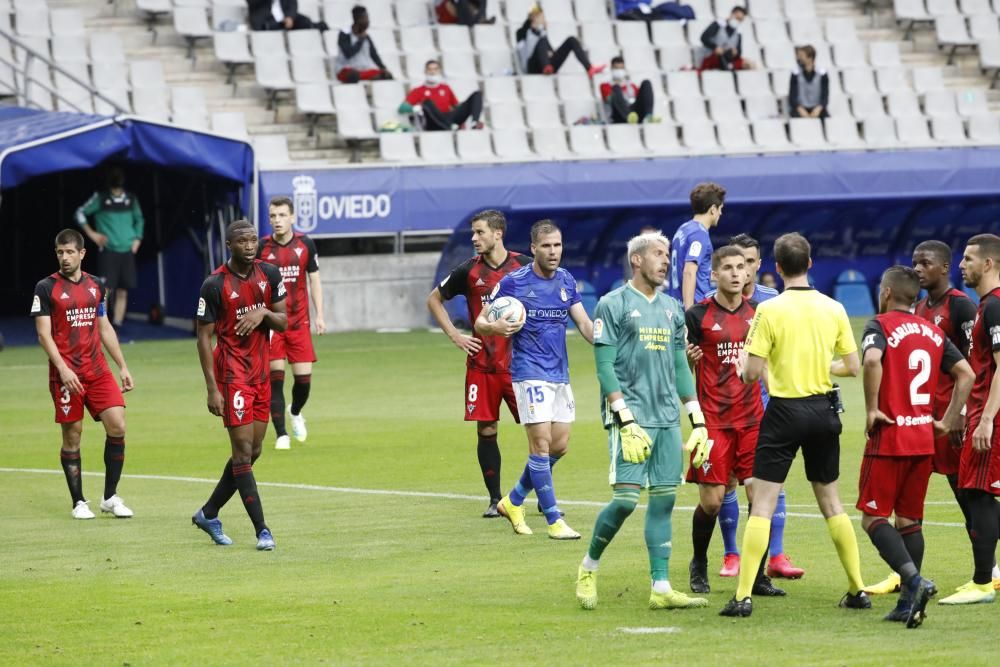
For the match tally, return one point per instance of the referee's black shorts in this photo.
(811, 423)
(117, 269)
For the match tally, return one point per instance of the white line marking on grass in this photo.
(392, 492)
(657, 630)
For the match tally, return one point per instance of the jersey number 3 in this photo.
(920, 361)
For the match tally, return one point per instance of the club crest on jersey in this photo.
(705, 467)
(262, 284)
(239, 413)
(937, 320)
(298, 252)
(65, 409)
(471, 408)
(93, 291)
(562, 294)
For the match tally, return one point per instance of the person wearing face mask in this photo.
(624, 102)
(357, 59)
(463, 12)
(535, 53)
(809, 91)
(724, 41)
(436, 104)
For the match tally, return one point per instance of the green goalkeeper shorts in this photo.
(665, 464)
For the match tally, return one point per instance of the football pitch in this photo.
(382, 556)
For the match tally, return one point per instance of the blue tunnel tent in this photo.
(862, 211)
(189, 185)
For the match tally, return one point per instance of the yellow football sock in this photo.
(842, 533)
(755, 538)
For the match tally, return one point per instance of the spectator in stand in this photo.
(465, 12)
(724, 41)
(652, 10)
(809, 90)
(536, 54)
(357, 59)
(436, 103)
(624, 102)
(279, 15)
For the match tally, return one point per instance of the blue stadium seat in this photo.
(851, 290)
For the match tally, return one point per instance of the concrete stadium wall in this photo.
(377, 291)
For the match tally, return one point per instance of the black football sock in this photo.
(247, 486)
(913, 538)
(982, 508)
(114, 461)
(892, 549)
(278, 402)
(224, 490)
(489, 462)
(702, 527)
(960, 499)
(300, 392)
(71, 467)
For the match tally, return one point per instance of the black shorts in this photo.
(117, 269)
(811, 423)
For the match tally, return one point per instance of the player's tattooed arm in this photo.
(110, 341)
(43, 327)
(216, 404)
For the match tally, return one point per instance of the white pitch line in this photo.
(393, 492)
(655, 630)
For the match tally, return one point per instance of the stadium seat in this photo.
(892, 80)
(903, 103)
(762, 106)
(388, 94)
(151, 103)
(70, 50)
(225, 17)
(694, 29)
(188, 107)
(542, 115)
(910, 13)
(308, 43)
(574, 87)
(354, 119)
(147, 74)
(841, 30)
(842, 132)
(500, 89)
(939, 103)
(735, 136)
(771, 32)
(770, 134)
(588, 141)
(416, 39)
(913, 131)
(939, 8)
(474, 145)
(66, 23)
(191, 23)
(984, 128)
(702, 8)
(271, 150)
(879, 131)
(676, 57)
(559, 10)
(437, 146)
(495, 62)
(767, 9)
(806, 30)
(689, 109)
(983, 27)
(71, 95)
(116, 93)
(232, 124)
(506, 116)
(490, 37)
(455, 39)
(309, 69)
(780, 56)
(629, 34)
(313, 100)
(411, 13)
(867, 105)
(989, 58)
(718, 84)
(551, 144)
(661, 139)
(269, 44)
(511, 144)
(538, 88)
(591, 11)
(625, 140)
(667, 34)
(949, 131)
(971, 102)
(397, 147)
(699, 135)
(683, 85)
(456, 64)
(796, 9)
(807, 132)
(33, 23)
(848, 56)
(926, 79)
(851, 290)
(859, 81)
(974, 7)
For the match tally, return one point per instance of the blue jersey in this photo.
(761, 293)
(539, 348)
(691, 243)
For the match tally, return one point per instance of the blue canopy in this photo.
(33, 143)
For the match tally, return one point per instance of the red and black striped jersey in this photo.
(225, 298)
(984, 342)
(954, 314)
(720, 333)
(475, 279)
(75, 309)
(916, 355)
(294, 259)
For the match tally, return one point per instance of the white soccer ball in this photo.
(507, 308)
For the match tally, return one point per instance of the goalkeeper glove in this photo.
(636, 443)
(697, 442)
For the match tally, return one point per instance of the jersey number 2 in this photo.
(920, 361)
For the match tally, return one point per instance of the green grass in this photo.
(370, 578)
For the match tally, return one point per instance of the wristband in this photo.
(693, 407)
(621, 412)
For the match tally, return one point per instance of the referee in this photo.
(797, 335)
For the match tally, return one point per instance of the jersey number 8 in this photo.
(473, 392)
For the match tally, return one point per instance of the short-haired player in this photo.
(691, 248)
(295, 255)
(71, 319)
(487, 374)
(904, 358)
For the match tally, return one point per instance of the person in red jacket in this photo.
(466, 12)
(436, 103)
(625, 102)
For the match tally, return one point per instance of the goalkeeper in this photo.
(639, 345)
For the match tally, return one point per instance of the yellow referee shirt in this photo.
(799, 332)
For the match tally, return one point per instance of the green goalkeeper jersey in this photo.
(116, 216)
(647, 335)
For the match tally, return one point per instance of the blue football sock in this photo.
(541, 479)
(729, 521)
(776, 546)
(553, 460)
(523, 487)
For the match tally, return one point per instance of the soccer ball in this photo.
(508, 308)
